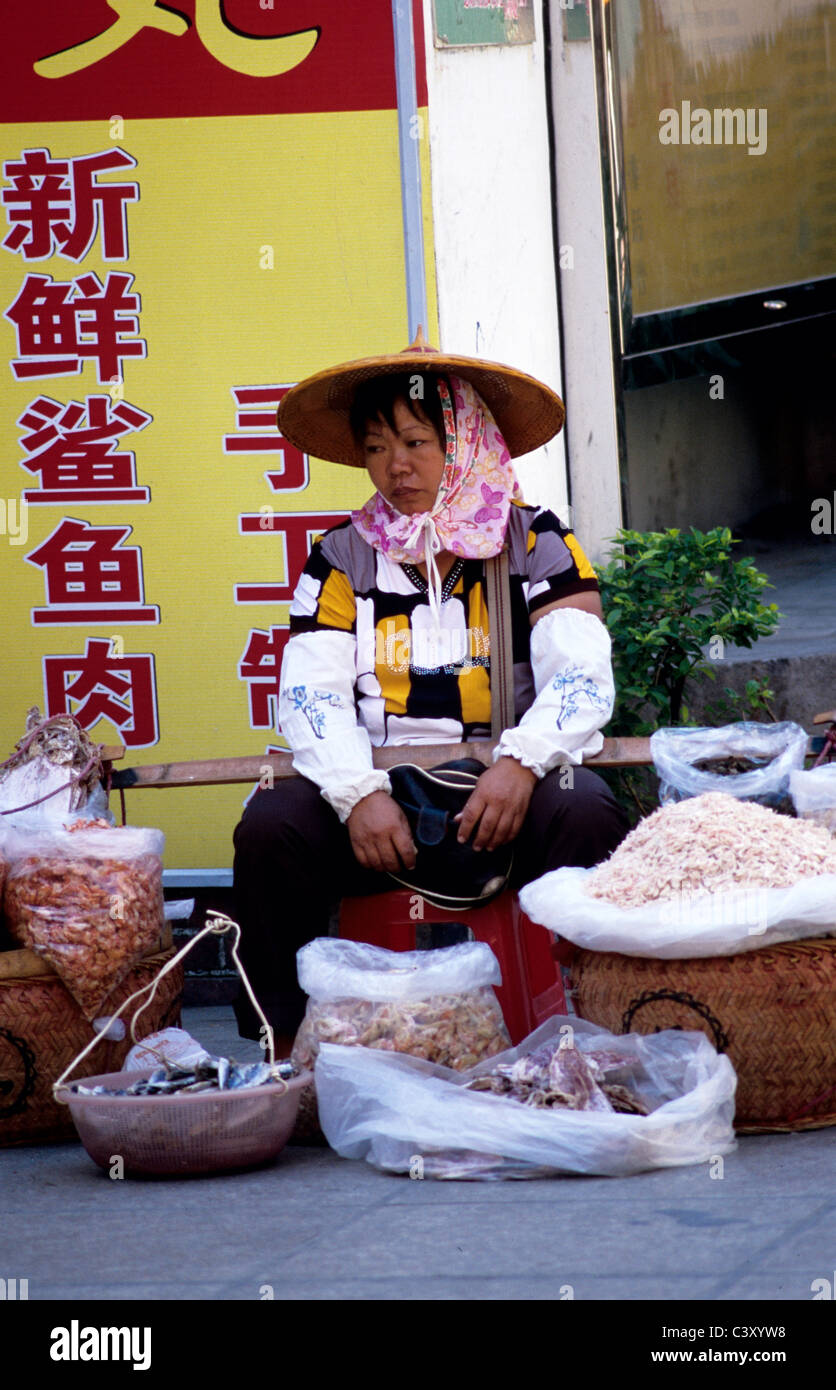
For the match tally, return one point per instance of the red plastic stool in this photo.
(532, 985)
(564, 951)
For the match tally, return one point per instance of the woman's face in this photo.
(406, 463)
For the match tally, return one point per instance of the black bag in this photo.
(446, 873)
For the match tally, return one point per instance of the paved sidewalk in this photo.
(803, 579)
(315, 1226)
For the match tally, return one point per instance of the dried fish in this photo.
(499, 1085)
(58, 739)
(209, 1074)
(570, 1074)
(624, 1101)
(256, 1074)
(559, 1076)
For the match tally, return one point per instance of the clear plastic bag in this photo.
(53, 777)
(404, 1115)
(329, 968)
(814, 795)
(89, 900)
(437, 1005)
(57, 800)
(674, 752)
(173, 1045)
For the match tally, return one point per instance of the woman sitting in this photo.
(390, 645)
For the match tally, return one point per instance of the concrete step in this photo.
(803, 686)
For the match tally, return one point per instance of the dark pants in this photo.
(293, 863)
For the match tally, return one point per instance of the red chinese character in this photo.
(90, 578)
(257, 417)
(71, 446)
(58, 325)
(122, 689)
(58, 205)
(297, 532)
(261, 665)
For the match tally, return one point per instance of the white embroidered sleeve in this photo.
(571, 662)
(318, 716)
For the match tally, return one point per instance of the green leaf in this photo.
(666, 594)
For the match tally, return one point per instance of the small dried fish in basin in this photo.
(209, 1074)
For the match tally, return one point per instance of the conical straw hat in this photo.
(314, 415)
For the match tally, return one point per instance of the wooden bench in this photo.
(203, 772)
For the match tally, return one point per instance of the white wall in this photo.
(495, 265)
(592, 441)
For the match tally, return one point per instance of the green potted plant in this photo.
(673, 601)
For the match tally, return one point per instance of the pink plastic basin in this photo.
(208, 1132)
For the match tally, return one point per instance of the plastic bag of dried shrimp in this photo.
(670, 1101)
(89, 900)
(438, 1005)
(710, 876)
(748, 760)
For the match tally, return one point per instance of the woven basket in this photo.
(773, 1011)
(42, 1029)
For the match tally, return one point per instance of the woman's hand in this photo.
(380, 834)
(497, 804)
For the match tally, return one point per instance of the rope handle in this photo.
(218, 924)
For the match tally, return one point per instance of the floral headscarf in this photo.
(470, 512)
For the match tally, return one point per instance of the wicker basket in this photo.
(773, 1011)
(42, 1029)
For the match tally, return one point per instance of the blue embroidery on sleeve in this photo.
(572, 685)
(308, 703)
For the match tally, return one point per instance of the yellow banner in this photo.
(154, 521)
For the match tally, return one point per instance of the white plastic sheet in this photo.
(705, 924)
(405, 1115)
